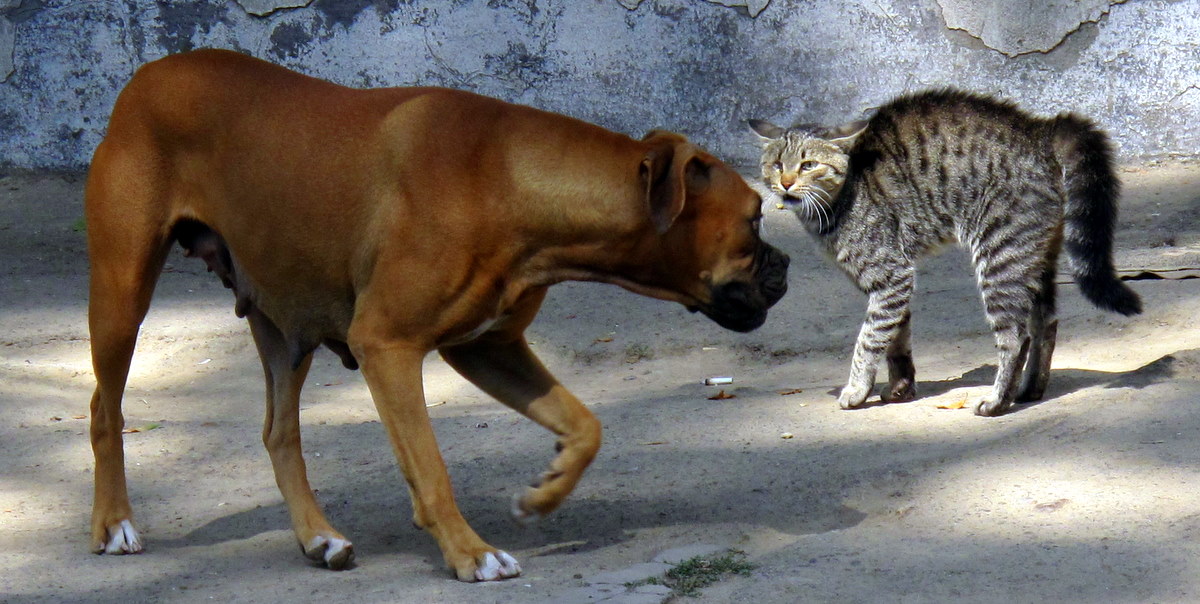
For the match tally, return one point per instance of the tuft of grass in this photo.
(690, 576)
(638, 352)
(646, 581)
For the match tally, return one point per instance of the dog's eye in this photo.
(808, 165)
(756, 224)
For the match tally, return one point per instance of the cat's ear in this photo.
(669, 169)
(844, 136)
(765, 130)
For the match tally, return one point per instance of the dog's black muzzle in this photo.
(742, 306)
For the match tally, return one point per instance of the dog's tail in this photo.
(1092, 188)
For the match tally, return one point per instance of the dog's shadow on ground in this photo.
(374, 512)
(382, 525)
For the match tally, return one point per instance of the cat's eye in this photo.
(808, 165)
(778, 166)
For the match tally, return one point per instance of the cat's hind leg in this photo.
(1043, 330)
(887, 319)
(1014, 347)
(1009, 286)
(902, 374)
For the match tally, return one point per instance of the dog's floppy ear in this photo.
(669, 169)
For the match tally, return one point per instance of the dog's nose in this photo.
(771, 258)
(783, 259)
(773, 274)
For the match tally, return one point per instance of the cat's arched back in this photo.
(951, 166)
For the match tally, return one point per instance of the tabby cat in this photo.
(942, 166)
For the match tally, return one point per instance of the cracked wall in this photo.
(1017, 27)
(698, 66)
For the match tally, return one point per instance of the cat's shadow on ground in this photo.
(1062, 381)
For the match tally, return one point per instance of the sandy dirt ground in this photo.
(1088, 496)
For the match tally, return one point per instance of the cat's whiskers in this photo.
(813, 209)
(827, 198)
(816, 204)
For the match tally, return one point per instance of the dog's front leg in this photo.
(393, 374)
(504, 367)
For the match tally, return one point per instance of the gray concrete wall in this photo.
(697, 66)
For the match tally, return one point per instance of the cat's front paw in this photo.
(851, 398)
(991, 406)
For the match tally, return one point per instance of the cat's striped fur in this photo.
(941, 166)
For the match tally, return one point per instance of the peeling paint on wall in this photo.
(1024, 26)
(754, 7)
(263, 8)
(289, 39)
(182, 21)
(344, 12)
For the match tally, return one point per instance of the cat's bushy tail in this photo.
(1091, 211)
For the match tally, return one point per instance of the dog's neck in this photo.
(607, 231)
(617, 256)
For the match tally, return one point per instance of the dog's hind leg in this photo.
(128, 240)
(281, 435)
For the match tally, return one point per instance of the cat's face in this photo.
(805, 171)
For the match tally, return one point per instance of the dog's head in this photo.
(706, 219)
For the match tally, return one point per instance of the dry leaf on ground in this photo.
(145, 428)
(958, 405)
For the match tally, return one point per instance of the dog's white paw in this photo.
(519, 514)
(336, 553)
(123, 539)
(497, 566)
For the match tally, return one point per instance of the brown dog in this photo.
(386, 224)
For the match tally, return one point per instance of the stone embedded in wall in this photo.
(8, 41)
(1017, 28)
(263, 8)
(8, 36)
